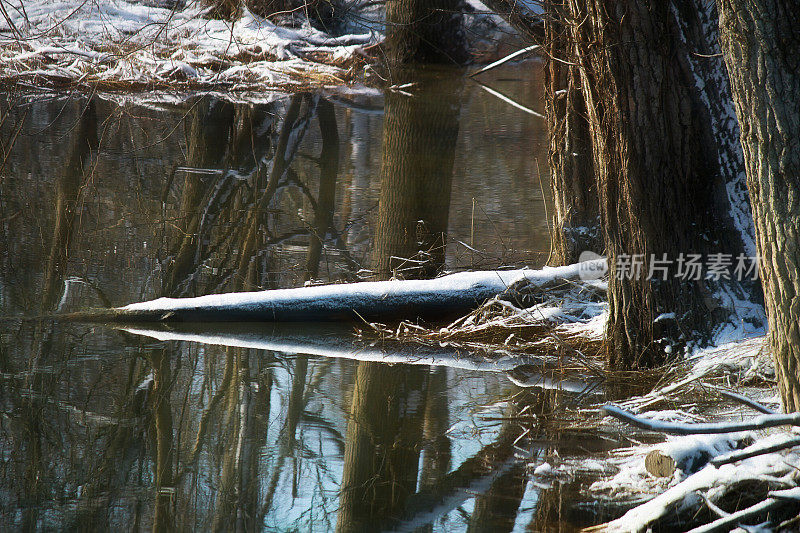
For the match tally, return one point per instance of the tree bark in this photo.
(655, 160)
(761, 45)
(576, 220)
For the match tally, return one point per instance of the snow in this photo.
(673, 495)
(543, 469)
(114, 41)
(685, 494)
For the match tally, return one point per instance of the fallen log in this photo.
(690, 454)
(378, 300)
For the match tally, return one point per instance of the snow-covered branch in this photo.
(675, 428)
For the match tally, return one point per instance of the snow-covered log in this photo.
(690, 454)
(378, 300)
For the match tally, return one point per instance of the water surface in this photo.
(104, 202)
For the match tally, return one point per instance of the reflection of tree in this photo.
(68, 190)
(329, 170)
(489, 471)
(207, 139)
(388, 407)
(419, 138)
(237, 413)
(28, 418)
(78, 464)
(381, 449)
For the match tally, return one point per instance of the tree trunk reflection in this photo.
(388, 407)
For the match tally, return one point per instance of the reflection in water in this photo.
(388, 408)
(248, 428)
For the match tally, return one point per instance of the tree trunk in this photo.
(761, 44)
(424, 31)
(661, 191)
(576, 221)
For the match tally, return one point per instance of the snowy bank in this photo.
(119, 44)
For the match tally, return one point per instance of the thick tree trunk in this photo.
(761, 44)
(424, 31)
(656, 167)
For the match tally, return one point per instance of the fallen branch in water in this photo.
(729, 522)
(746, 401)
(397, 299)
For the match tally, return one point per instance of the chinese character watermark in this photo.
(689, 267)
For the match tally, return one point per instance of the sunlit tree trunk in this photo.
(659, 183)
(576, 220)
(761, 44)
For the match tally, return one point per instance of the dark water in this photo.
(104, 203)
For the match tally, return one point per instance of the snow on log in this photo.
(377, 300)
(733, 520)
(676, 428)
(691, 453)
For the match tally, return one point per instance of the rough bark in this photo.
(576, 218)
(656, 168)
(761, 45)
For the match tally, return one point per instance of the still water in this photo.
(105, 201)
